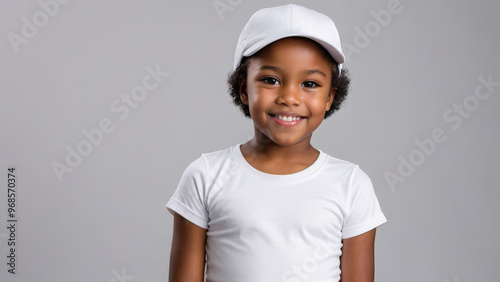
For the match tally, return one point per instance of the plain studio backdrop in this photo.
(104, 103)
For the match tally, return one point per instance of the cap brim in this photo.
(336, 54)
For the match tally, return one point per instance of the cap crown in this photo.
(271, 24)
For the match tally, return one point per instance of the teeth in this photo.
(285, 118)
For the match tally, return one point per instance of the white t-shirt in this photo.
(265, 227)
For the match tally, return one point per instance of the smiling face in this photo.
(288, 90)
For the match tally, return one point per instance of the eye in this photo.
(269, 80)
(310, 84)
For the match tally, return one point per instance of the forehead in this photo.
(297, 50)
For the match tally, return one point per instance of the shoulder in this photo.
(348, 171)
(210, 161)
(219, 155)
(339, 165)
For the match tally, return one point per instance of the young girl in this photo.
(275, 208)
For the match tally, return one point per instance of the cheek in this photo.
(317, 105)
(252, 94)
(259, 98)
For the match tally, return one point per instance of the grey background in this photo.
(107, 217)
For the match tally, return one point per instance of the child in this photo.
(275, 208)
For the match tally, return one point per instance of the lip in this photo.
(287, 123)
(288, 114)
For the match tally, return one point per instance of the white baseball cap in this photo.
(271, 24)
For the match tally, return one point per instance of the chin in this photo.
(287, 141)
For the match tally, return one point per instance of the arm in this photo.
(187, 256)
(357, 263)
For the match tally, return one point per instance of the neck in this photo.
(264, 147)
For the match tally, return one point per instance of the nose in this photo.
(289, 95)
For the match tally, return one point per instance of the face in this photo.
(288, 90)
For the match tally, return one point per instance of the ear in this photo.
(330, 97)
(243, 93)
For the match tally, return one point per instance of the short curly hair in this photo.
(239, 77)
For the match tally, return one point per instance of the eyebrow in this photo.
(276, 69)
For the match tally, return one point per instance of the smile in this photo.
(285, 118)
(287, 121)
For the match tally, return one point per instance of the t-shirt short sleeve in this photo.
(189, 199)
(365, 213)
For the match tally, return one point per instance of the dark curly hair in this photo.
(239, 76)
